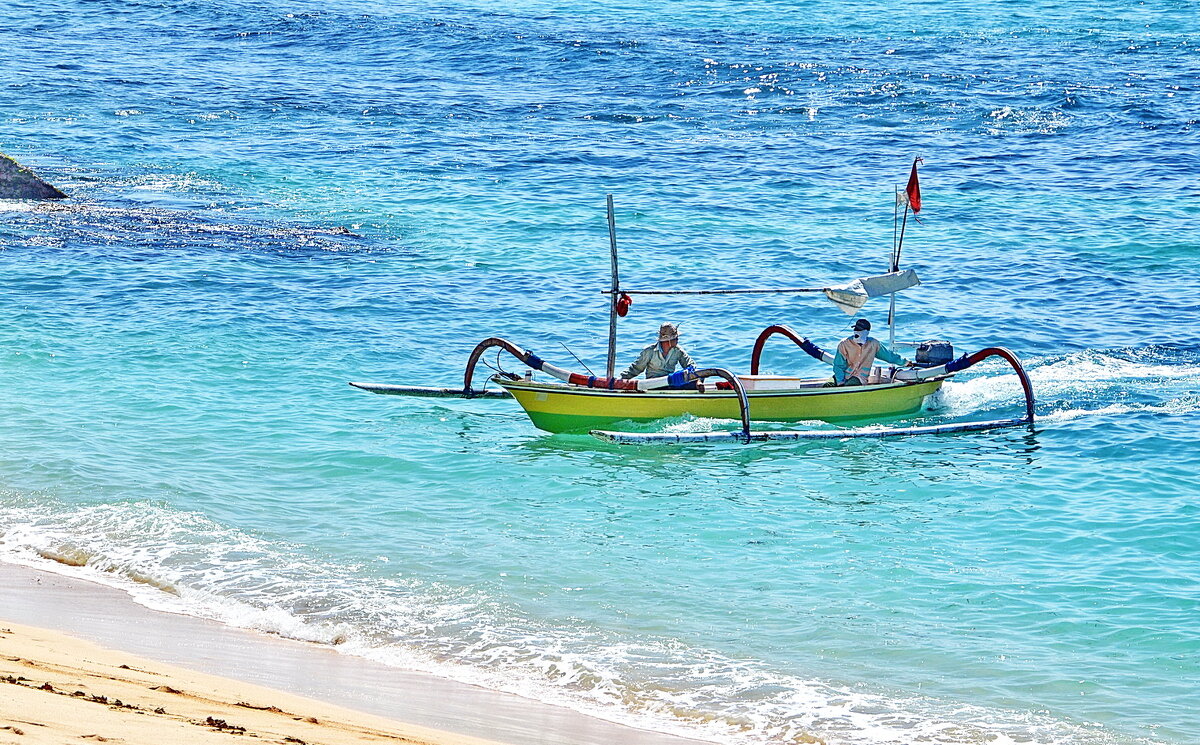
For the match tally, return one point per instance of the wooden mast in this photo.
(615, 290)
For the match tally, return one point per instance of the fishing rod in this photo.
(585, 367)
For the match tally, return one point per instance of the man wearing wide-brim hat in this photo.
(662, 357)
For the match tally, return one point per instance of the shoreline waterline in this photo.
(59, 688)
(109, 617)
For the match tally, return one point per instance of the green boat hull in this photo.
(556, 407)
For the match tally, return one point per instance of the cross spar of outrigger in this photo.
(589, 403)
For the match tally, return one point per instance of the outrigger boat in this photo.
(575, 402)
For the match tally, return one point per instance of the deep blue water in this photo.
(178, 336)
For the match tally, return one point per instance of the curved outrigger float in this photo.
(587, 403)
(575, 402)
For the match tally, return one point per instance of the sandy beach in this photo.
(82, 662)
(58, 689)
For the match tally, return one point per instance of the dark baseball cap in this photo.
(862, 324)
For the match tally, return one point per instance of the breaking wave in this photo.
(1154, 380)
(199, 567)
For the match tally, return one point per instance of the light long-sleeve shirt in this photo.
(854, 360)
(655, 364)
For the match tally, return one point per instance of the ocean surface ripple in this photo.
(269, 199)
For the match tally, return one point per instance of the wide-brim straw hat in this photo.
(668, 332)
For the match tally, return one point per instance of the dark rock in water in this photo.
(18, 182)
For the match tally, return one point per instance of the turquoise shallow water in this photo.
(178, 337)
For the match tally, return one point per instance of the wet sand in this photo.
(130, 674)
(56, 689)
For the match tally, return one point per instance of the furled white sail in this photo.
(852, 295)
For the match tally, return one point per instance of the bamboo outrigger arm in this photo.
(537, 363)
(967, 360)
(1012, 360)
(747, 437)
(674, 380)
(801, 341)
(910, 374)
(739, 389)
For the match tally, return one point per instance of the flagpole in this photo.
(912, 192)
(895, 221)
(900, 245)
(893, 267)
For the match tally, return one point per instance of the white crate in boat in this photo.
(775, 382)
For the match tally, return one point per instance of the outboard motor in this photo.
(933, 353)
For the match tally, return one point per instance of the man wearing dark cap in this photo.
(856, 354)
